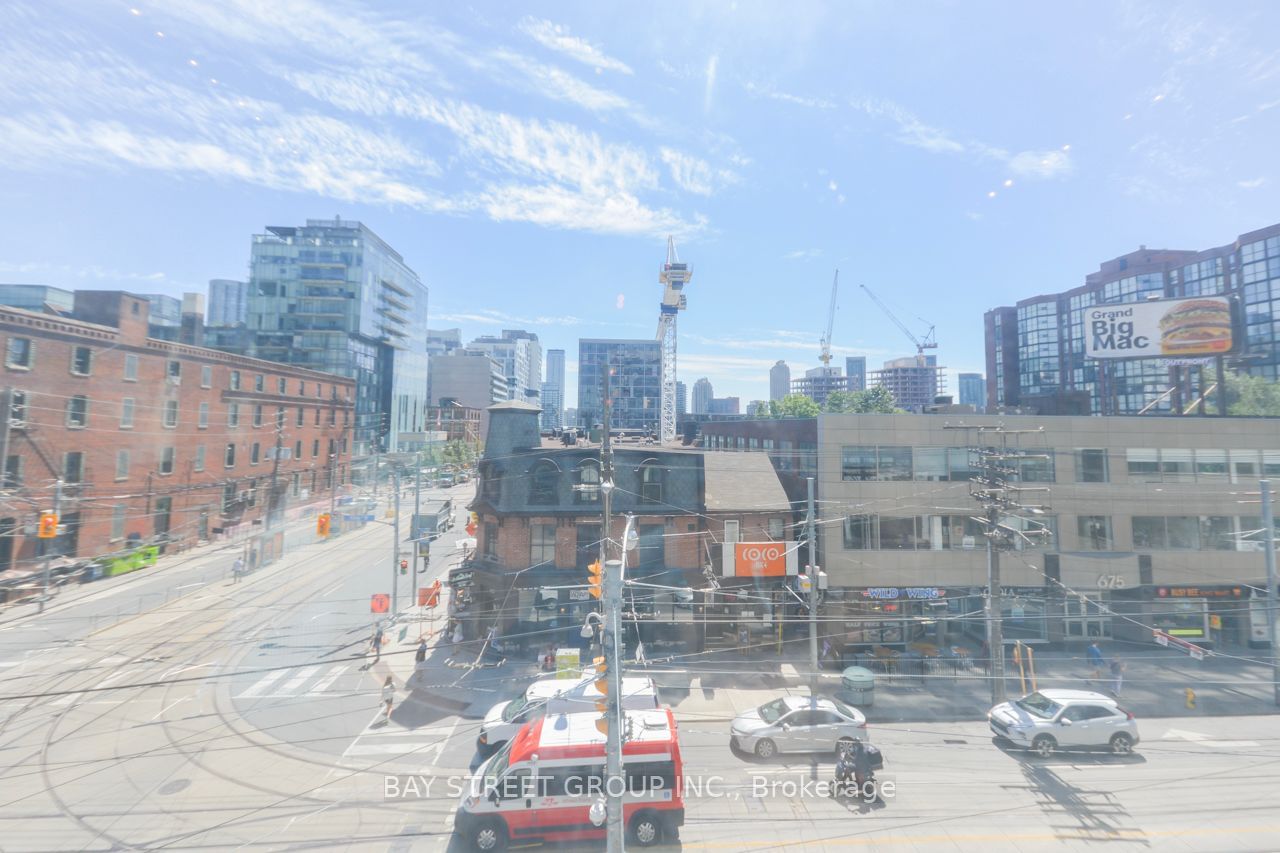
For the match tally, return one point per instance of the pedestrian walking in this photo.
(421, 654)
(237, 570)
(375, 645)
(744, 639)
(388, 697)
(1117, 676)
(1096, 661)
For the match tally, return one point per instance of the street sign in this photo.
(1170, 641)
(379, 603)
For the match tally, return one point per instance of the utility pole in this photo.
(395, 549)
(998, 487)
(48, 555)
(611, 639)
(995, 608)
(811, 525)
(1269, 549)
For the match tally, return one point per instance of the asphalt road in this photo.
(242, 716)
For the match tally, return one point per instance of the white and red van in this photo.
(544, 782)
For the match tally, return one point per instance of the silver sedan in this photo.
(797, 724)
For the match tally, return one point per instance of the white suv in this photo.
(1065, 719)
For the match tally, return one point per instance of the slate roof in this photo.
(742, 482)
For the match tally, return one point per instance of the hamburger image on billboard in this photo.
(1196, 327)
(1172, 328)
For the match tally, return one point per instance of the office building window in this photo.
(894, 463)
(542, 544)
(1094, 532)
(315, 447)
(202, 420)
(174, 370)
(254, 450)
(281, 385)
(198, 464)
(18, 407)
(81, 361)
(170, 413)
(859, 533)
(297, 449)
(858, 463)
(122, 464)
(206, 376)
(12, 471)
(259, 382)
(1144, 464)
(233, 414)
(78, 412)
(126, 413)
(930, 463)
(1091, 465)
(234, 380)
(257, 415)
(1211, 465)
(229, 459)
(130, 368)
(19, 353)
(166, 460)
(299, 419)
(73, 466)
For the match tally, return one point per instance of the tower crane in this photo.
(825, 355)
(674, 276)
(929, 341)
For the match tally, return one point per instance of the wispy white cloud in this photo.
(557, 38)
(1251, 183)
(709, 91)
(760, 90)
(557, 84)
(50, 272)
(487, 317)
(910, 130)
(694, 174)
(802, 254)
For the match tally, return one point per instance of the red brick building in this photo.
(150, 440)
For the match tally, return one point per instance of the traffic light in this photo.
(404, 567)
(48, 526)
(595, 579)
(322, 524)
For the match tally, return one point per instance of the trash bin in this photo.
(858, 686)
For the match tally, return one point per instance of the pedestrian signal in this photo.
(48, 526)
(595, 579)
(322, 524)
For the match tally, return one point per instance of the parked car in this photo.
(797, 724)
(1048, 720)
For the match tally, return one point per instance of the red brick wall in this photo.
(41, 444)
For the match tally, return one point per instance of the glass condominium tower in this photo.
(332, 296)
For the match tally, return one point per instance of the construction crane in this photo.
(825, 355)
(929, 341)
(674, 276)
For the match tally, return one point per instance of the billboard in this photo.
(760, 559)
(1162, 328)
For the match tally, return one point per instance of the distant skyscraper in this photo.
(819, 383)
(228, 302)
(635, 383)
(855, 370)
(973, 390)
(443, 341)
(331, 295)
(723, 406)
(702, 396)
(553, 391)
(520, 355)
(779, 380)
(912, 384)
(682, 399)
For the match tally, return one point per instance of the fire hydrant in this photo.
(1191, 699)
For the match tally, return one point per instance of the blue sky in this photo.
(528, 160)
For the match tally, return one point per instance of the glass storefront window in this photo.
(960, 465)
(859, 533)
(1148, 531)
(900, 533)
(1184, 532)
(1216, 533)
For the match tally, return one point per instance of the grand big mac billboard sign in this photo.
(1162, 328)
(760, 560)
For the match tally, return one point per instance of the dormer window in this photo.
(587, 488)
(544, 481)
(651, 477)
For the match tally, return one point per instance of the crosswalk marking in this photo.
(323, 684)
(262, 684)
(299, 679)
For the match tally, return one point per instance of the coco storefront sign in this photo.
(761, 560)
(1162, 328)
(894, 593)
